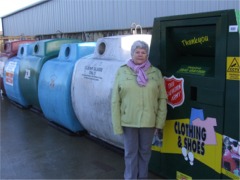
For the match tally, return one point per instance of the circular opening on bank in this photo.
(36, 48)
(67, 51)
(101, 48)
(22, 50)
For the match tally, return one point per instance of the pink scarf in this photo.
(142, 78)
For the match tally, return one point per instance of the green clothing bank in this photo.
(198, 55)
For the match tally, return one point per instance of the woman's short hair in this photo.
(139, 44)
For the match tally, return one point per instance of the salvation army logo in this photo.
(175, 91)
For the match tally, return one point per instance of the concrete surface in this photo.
(33, 149)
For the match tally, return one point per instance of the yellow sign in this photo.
(229, 174)
(192, 144)
(233, 68)
(181, 176)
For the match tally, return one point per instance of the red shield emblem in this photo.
(175, 91)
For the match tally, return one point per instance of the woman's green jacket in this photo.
(135, 106)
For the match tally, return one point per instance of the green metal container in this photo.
(198, 55)
(30, 67)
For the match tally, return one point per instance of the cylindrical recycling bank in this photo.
(10, 50)
(11, 75)
(54, 87)
(92, 84)
(3, 59)
(30, 67)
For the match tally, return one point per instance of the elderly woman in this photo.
(138, 108)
